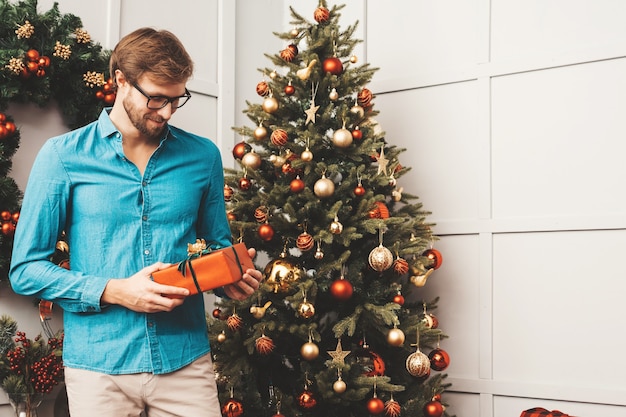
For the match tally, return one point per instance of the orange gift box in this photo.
(205, 270)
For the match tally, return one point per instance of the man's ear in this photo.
(120, 78)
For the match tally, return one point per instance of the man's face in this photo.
(147, 121)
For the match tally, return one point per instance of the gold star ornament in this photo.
(339, 355)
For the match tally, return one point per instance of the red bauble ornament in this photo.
(372, 363)
(321, 14)
(240, 150)
(216, 313)
(364, 97)
(279, 137)
(398, 299)
(232, 408)
(357, 134)
(32, 55)
(296, 185)
(333, 65)
(231, 216)
(228, 193)
(307, 400)
(266, 232)
(439, 359)
(10, 127)
(400, 266)
(289, 53)
(264, 345)
(341, 289)
(8, 229)
(433, 409)
(234, 322)
(290, 89)
(375, 406)
(379, 211)
(392, 408)
(244, 184)
(435, 257)
(262, 89)
(359, 191)
(305, 241)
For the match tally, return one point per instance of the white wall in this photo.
(511, 113)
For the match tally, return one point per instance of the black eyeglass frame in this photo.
(168, 100)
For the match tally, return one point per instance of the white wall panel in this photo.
(556, 298)
(558, 141)
(438, 127)
(407, 37)
(546, 28)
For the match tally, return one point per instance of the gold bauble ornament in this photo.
(309, 351)
(380, 258)
(270, 104)
(221, 338)
(333, 95)
(357, 111)
(280, 274)
(395, 337)
(324, 187)
(336, 227)
(354, 59)
(418, 364)
(306, 155)
(342, 138)
(251, 160)
(306, 310)
(339, 386)
(260, 132)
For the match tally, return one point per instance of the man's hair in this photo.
(158, 53)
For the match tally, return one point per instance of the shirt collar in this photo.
(108, 129)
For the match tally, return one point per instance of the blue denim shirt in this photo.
(117, 222)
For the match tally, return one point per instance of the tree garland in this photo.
(44, 57)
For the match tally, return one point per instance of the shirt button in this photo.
(146, 252)
(143, 183)
(144, 217)
(150, 324)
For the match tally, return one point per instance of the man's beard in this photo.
(139, 120)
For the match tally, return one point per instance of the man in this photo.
(131, 192)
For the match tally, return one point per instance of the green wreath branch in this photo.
(44, 57)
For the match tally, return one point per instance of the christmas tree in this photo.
(337, 328)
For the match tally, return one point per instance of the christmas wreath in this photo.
(44, 57)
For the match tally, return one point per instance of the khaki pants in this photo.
(188, 392)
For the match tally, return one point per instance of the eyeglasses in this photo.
(158, 102)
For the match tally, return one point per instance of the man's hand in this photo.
(247, 285)
(139, 293)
